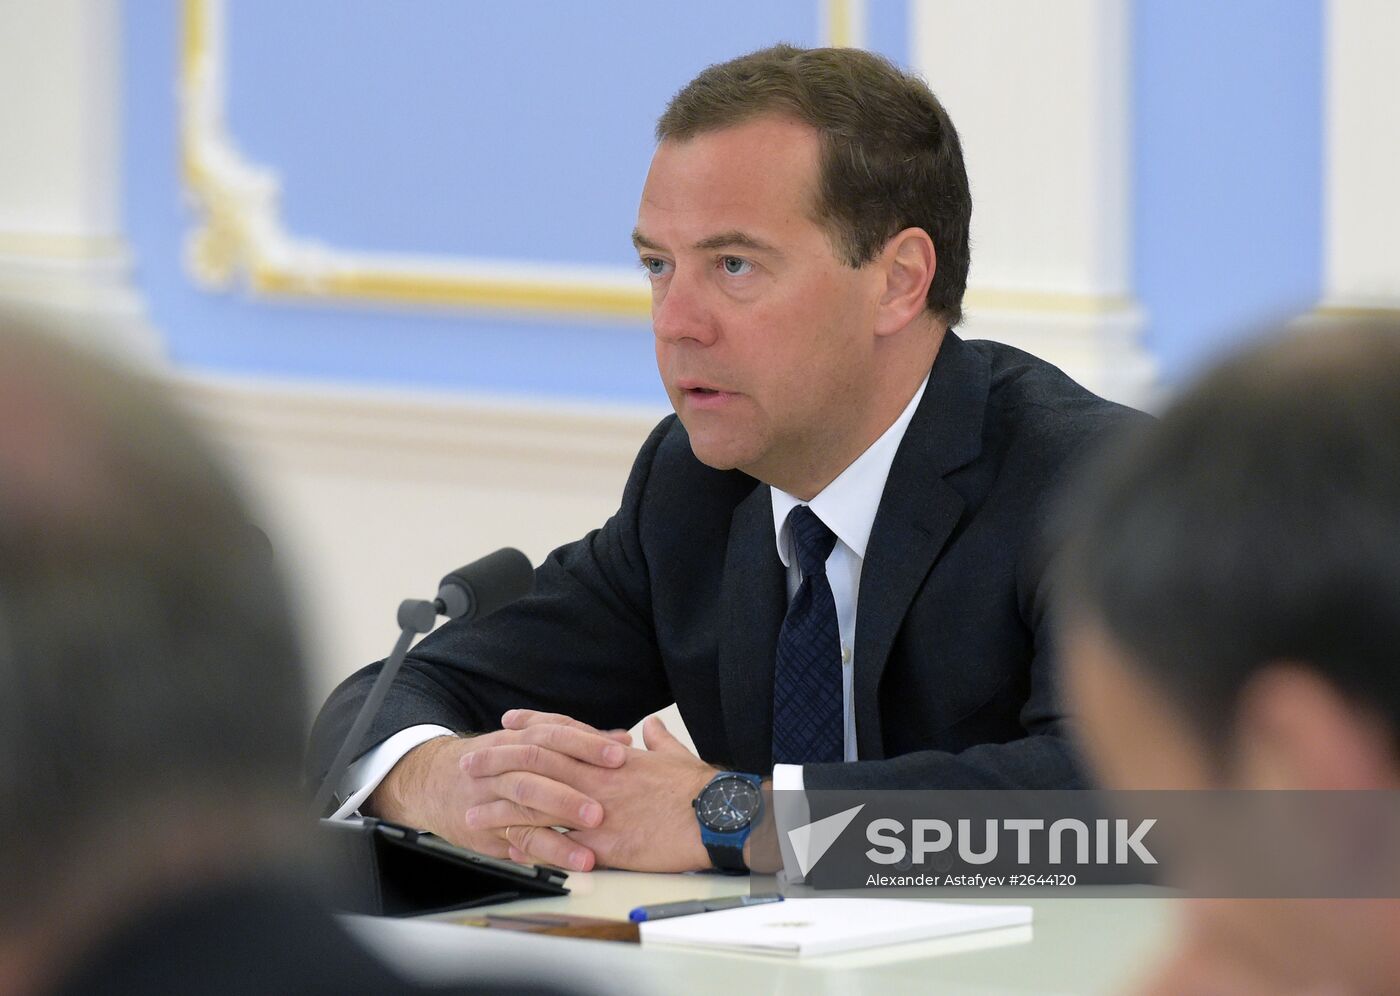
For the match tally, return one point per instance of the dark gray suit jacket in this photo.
(680, 595)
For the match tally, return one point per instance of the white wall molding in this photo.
(91, 296)
(1363, 157)
(1039, 94)
(371, 496)
(60, 181)
(315, 422)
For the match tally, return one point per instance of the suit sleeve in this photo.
(582, 644)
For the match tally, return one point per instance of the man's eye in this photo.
(736, 265)
(656, 267)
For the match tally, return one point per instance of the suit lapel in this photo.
(752, 605)
(917, 514)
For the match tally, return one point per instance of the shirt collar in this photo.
(848, 504)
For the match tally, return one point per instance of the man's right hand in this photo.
(434, 785)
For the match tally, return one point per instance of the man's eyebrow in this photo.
(732, 239)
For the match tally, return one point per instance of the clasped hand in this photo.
(547, 788)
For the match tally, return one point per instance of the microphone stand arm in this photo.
(415, 616)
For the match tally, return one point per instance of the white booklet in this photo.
(814, 926)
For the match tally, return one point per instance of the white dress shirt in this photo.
(847, 506)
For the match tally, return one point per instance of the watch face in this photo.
(728, 803)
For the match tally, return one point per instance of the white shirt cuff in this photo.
(364, 776)
(791, 812)
(787, 778)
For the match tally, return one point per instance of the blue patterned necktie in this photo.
(807, 722)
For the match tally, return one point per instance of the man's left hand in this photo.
(648, 823)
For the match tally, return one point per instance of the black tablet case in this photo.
(390, 870)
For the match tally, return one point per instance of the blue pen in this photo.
(663, 911)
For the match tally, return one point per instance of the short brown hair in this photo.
(891, 156)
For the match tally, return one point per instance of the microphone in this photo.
(469, 593)
(485, 585)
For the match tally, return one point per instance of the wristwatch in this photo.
(727, 808)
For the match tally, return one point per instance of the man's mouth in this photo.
(699, 387)
(704, 396)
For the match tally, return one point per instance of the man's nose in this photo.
(680, 311)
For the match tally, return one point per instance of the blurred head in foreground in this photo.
(151, 700)
(1231, 603)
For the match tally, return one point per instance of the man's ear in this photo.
(908, 263)
(1295, 730)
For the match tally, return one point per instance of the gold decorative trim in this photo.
(843, 23)
(241, 238)
(456, 291)
(326, 419)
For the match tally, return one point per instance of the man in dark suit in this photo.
(826, 558)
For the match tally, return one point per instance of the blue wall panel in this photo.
(887, 30)
(467, 128)
(1227, 169)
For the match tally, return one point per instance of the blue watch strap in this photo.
(726, 847)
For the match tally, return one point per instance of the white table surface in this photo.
(1079, 946)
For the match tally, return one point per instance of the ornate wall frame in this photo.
(241, 241)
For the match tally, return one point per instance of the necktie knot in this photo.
(812, 539)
